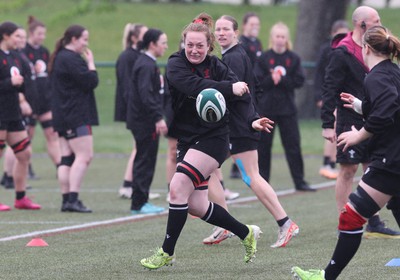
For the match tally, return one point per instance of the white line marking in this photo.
(139, 217)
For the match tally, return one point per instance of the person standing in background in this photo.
(73, 79)
(279, 73)
(12, 129)
(145, 118)
(328, 168)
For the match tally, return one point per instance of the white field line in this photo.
(141, 217)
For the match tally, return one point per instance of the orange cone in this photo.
(37, 242)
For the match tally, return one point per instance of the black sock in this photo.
(346, 248)
(127, 184)
(222, 184)
(396, 215)
(374, 221)
(326, 160)
(176, 221)
(19, 195)
(73, 196)
(332, 164)
(282, 221)
(65, 197)
(218, 216)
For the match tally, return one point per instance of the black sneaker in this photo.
(64, 207)
(235, 173)
(77, 206)
(9, 183)
(380, 231)
(304, 187)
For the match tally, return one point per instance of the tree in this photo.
(315, 18)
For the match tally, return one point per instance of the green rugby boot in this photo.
(250, 242)
(312, 274)
(159, 259)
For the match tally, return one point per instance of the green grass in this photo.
(113, 252)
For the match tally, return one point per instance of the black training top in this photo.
(145, 102)
(10, 65)
(29, 79)
(40, 59)
(123, 71)
(381, 110)
(72, 86)
(253, 48)
(344, 73)
(241, 109)
(278, 100)
(186, 81)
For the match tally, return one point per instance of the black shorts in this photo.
(216, 147)
(12, 126)
(355, 154)
(80, 131)
(241, 145)
(382, 180)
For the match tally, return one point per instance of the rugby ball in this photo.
(210, 105)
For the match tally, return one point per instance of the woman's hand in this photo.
(263, 124)
(352, 137)
(240, 88)
(87, 53)
(161, 127)
(329, 134)
(352, 102)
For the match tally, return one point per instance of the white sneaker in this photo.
(285, 234)
(229, 195)
(127, 193)
(218, 235)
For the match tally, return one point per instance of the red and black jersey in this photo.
(145, 100)
(10, 65)
(123, 71)
(40, 58)
(253, 48)
(278, 100)
(345, 73)
(241, 109)
(186, 81)
(381, 110)
(72, 86)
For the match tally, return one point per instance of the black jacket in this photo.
(72, 85)
(10, 64)
(186, 81)
(253, 48)
(123, 71)
(278, 100)
(145, 102)
(241, 109)
(344, 73)
(381, 110)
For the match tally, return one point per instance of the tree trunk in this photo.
(315, 18)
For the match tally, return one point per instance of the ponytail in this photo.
(382, 42)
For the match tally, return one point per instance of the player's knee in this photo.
(67, 160)
(394, 203)
(363, 203)
(245, 177)
(46, 124)
(198, 180)
(350, 220)
(21, 146)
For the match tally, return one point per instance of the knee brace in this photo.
(2, 144)
(21, 145)
(363, 203)
(46, 124)
(67, 160)
(246, 178)
(197, 178)
(394, 203)
(350, 221)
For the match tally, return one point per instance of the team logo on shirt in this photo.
(280, 69)
(14, 71)
(40, 68)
